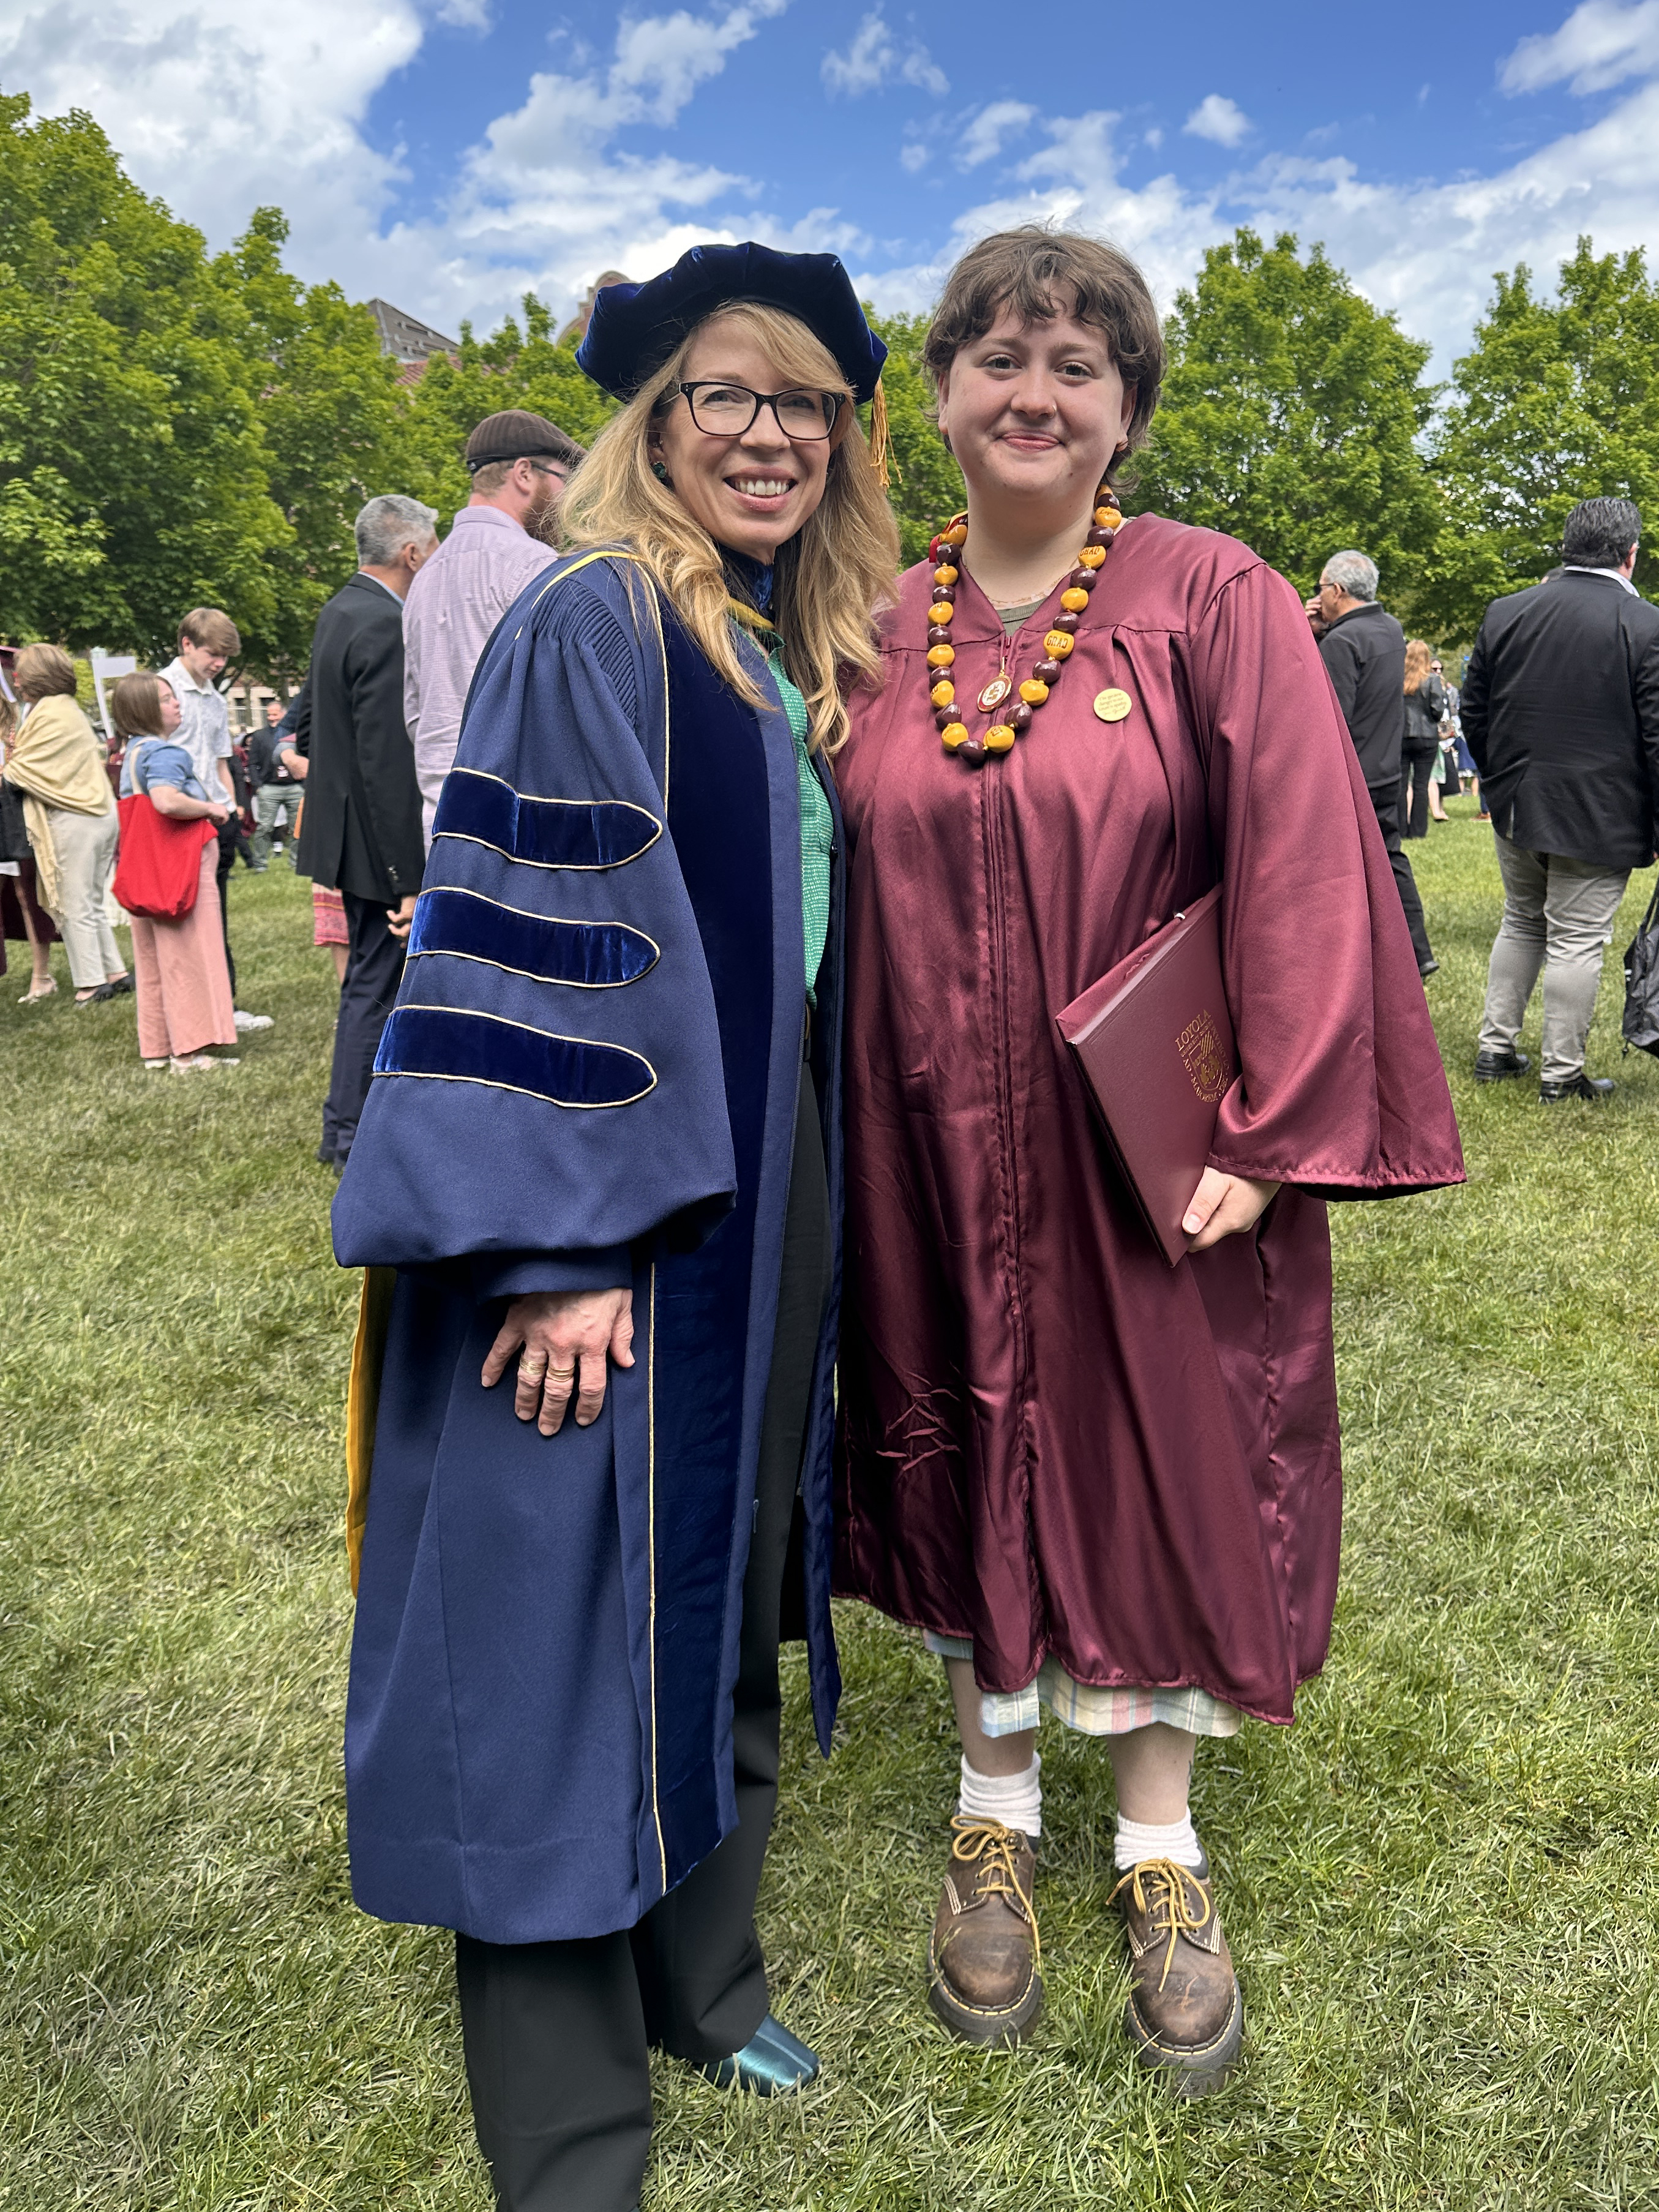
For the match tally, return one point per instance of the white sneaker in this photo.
(253, 1021)
(155, 1066)
(196, 1063)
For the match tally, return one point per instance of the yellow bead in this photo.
(999, 737)
(1074, 601)
(956, 535)
(943, 692)
(1107, 517)
(1032, 692)
(1092, 556)
(941, 656)
(941, 614)
(944, 574)
(1057, 645)
(952, 735)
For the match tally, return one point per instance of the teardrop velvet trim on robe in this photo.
(452, 1045)
(593, 955)
(542, 833)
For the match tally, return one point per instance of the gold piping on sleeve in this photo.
(565, 921)
(651, 1536)
(486, 1083)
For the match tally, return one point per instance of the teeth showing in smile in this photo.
(761, 487)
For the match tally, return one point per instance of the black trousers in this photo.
(1416, 770)
(1385, 798)
(230, 835)
(558, 2035)
(373, 970)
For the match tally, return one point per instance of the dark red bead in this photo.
(1098, 537)
(938, 634)
(972, 750)
(944, 595)
(1019, 718)
(944, 716)
(1047, 671)
(1066, 621)
(1082, 580)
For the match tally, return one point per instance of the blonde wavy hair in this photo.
(828, 578)
(1418, 659)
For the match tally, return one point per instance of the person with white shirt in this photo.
(519, 463)
(208, 639)
(1560, 710)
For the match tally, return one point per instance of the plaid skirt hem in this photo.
(1086, 1707)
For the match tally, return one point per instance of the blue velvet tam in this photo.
(633, 328)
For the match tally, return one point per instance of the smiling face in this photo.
(753, 491)
(1035, 412)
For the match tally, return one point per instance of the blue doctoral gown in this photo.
(590, 1078)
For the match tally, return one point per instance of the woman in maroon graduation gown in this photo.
(1096, 1482)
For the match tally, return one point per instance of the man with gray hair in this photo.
(360, 835)
(1561, 712)
(1364, 651)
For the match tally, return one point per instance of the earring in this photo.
(659, 470)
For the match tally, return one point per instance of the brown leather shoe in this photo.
(1185, 2011)
(983, 1954)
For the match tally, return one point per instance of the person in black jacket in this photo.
(1364, 651)
(362, 831)
(1419, 767)
(1561, 712)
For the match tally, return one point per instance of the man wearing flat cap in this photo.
(519, 463)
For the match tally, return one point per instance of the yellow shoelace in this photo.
(1172, 1888)
(990, 1846)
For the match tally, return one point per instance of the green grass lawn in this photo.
(1440, 1886)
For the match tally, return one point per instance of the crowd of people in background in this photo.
(379, 716)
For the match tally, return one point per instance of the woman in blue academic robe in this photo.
(597, 1186)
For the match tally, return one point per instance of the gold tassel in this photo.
(881, 444)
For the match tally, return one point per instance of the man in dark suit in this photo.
(1364, 651)
(361, 830)
(1561, 712)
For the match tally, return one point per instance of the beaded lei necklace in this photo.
(946, 550)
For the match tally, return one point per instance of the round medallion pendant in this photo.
(994, 693)
(1112, 706)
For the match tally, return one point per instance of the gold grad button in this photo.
(1112, 706)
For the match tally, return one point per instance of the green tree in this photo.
(132, 474)
(512, 368)
(1556, 401)
(927, 486)
(332, 432)
(1292, 417)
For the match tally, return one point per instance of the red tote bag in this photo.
(161, 862)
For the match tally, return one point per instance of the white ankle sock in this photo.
(1147, 1839)
(1016, 1800)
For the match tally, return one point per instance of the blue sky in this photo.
(450, 153)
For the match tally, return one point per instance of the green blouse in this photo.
(817, 829)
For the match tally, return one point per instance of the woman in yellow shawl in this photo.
(71, 812)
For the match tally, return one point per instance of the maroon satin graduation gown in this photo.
(1053, 1441)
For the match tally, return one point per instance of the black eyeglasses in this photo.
(726, 410)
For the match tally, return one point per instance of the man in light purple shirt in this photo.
(519, 463)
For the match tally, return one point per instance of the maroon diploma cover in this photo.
(1154, 1040)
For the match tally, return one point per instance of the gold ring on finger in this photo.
(560, 1374)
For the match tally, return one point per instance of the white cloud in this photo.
(873, 62)
(1599, 46)
(1154, 137)
(1217, 118)
(1427, 250)
(912, 156)
(220, 107)
(982, 140)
